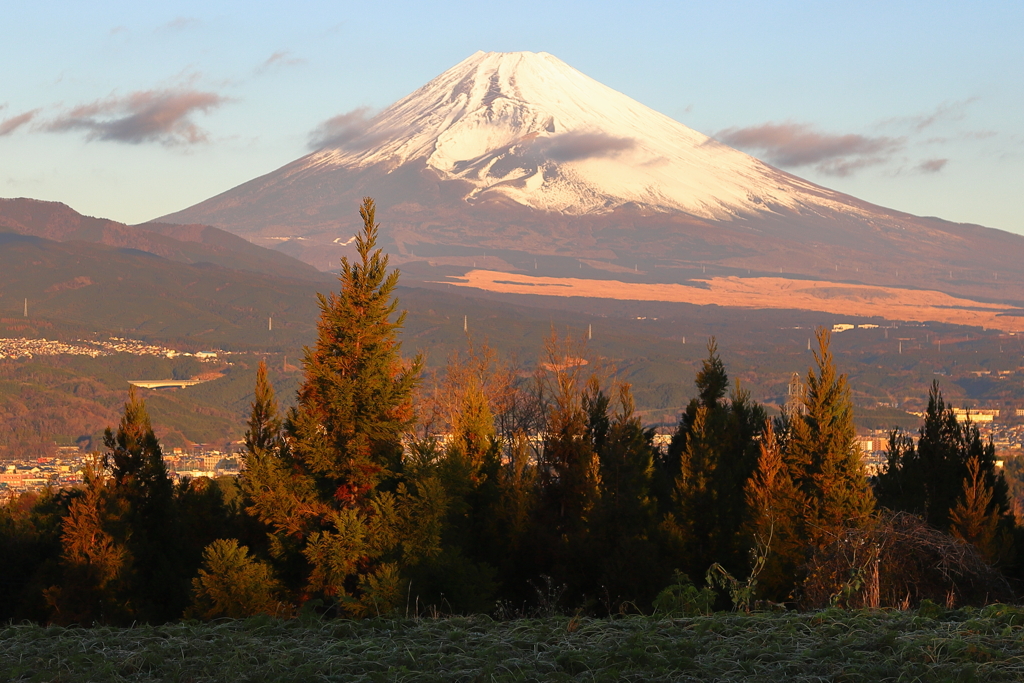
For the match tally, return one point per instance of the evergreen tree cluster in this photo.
(949, 478)
(495, 492)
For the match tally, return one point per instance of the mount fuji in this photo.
(518, 163)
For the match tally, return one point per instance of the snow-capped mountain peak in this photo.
(514, 156)
(530, 128)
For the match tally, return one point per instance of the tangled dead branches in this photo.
(898, 562)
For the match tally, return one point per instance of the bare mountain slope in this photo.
(512, 156)
(183, 243)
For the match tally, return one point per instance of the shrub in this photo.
(234, 584)
(683, 599)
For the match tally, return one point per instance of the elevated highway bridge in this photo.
(164, 383)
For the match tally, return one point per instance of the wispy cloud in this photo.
(280, 58)
(574, 146)
(966, 135)
(847, 166)
(8, 126)
(947, 111)
(180, 24)
(163, 116)
(800, 144)
(932, 165)
(340, 130)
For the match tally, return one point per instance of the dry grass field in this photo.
(929, 644)
(890, 303)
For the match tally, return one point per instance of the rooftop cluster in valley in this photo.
(65, 469)
(29, 348)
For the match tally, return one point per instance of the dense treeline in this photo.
(488, 491)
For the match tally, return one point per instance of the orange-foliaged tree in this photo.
(345, 510)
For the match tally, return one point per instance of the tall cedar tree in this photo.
(974, 519)
(775, 526)
(356, 400)
(342, 511)
(93, 564)
(264, 432)
(141, 483)
(711, 457)
(928, 478)
(824, 460)
(123, 557)
(624, 530)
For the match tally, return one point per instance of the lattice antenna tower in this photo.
(794, 396)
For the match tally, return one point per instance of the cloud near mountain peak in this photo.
(799, 144)
(579, 145)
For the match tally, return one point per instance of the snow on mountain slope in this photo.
(529, 127)
(519, 156)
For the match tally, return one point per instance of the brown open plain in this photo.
(856, 300)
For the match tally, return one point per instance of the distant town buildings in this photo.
(66, 469)
(976, 415)
(843, 327)
(29, 348)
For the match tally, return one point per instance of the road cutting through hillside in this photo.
(867, 301)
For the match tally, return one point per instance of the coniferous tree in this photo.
(624, 528)
(336, 495)
(94, 565)
(929, 478)
(974, 519)
(939, 463)
(134, 456)
(148, 525)
(775, 525)
(233, 584)
(899, 485)
(264, 430)
(824, 460)
(265, 484)
(712, 382)
(711, 457)
(355, 402)
(123, 554)
(692, 523)
(275, 492)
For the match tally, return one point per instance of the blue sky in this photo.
(131, 110)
